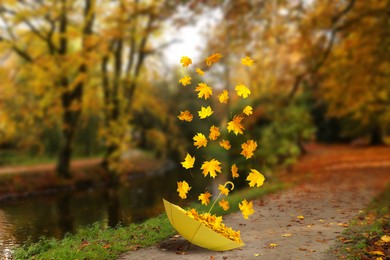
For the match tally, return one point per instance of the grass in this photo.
(97, 242)
(362, 240)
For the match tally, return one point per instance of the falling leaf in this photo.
(242, 90)
(205, 112)
(186, 80)
(214, 133)
(385, 238)
(223, 190)
(300, 217)
(183, 188)
(185, 61)
(247, 61)
(200, 140)
(205, 198)
(248, 148)
(199, 71)
(235, 125)
(188, 161)
(234, 170)
(185, 116)
(246, 208)
(287, 235)
(225, 144)
(204, 90)
(213, 58)
(211, 167)
(248, 110)
(255, 178)
(223, 97)
(224, 204)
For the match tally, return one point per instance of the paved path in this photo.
(341, 185)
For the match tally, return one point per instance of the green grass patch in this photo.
(363, 238)
(97, 242)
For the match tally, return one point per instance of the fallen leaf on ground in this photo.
(272, 245)
(300, 217)
(287, 235)
(385, 238)
(380, 253)
(135, 247)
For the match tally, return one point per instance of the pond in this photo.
(54, 215)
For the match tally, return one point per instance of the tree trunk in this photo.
(376, 136)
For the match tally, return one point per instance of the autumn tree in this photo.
(53, 41)
(355, 82)
(129, 33)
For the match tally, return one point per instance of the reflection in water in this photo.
(57, 214)
(65, 220)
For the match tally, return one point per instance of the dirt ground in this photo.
(336, 183)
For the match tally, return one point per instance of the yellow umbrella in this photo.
(196, 232)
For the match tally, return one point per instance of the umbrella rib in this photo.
(193, 236)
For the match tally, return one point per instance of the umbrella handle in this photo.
(226, 183)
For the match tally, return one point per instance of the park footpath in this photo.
(304, 221)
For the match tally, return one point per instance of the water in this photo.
(57, 214)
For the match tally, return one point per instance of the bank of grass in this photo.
(96, 242)
(367, 234)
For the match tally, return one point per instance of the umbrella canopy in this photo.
(196, 232)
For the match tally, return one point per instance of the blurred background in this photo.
(96, 81)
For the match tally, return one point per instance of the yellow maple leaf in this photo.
(213, 58)
(214, 133)
(199, 71)
(211, 167)
(188, 161)
(200, 140)
(205, 198)
(185, 116)
(234, 170)
(183, 188)
(255, 178)
(235, 125)
(186, 80)
(224, 204)
(247, 61)
(225, 144)
(185, 61)
(223, 97)
(246, 208)
(204, 90)
(223, 190)
(248, 110)
(242, 90)
(248, 148)
(205, 112)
